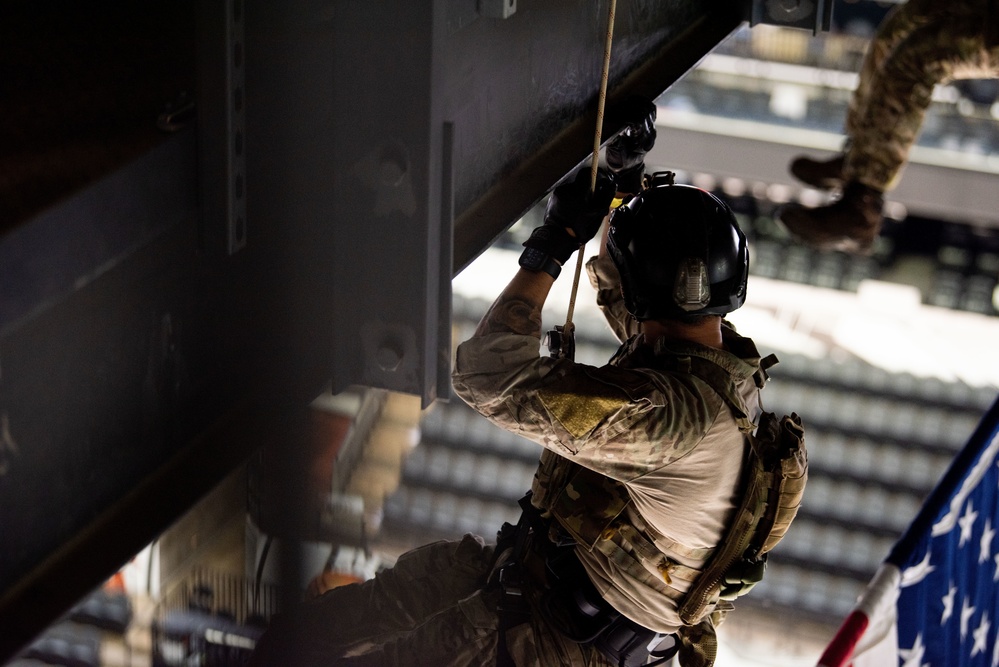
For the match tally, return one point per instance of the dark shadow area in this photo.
(81, 88)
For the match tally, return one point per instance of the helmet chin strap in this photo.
(562, 339)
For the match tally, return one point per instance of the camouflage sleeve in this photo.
(607, 282)
(622, 423)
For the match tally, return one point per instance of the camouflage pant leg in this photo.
(422, 582)
(898, 24)
(463, 634)
(466, 635)
(892, 119)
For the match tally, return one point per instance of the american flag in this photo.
(935, 600)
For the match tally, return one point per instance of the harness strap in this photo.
(766, 363)
(706, 592)
(667, 544)
(716, 378)
(627, 562)
(512, 609)
(628, 643)
(647, 551)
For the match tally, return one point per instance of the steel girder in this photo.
(159, 325)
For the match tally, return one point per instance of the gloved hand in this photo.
(626, 152)
(572, 206)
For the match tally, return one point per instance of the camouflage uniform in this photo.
(919, 44)
(644, 429)
(431, 608)
(661, 439)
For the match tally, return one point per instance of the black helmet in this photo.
(680, 254)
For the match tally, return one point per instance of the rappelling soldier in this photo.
(645, 515)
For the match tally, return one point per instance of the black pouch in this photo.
(631, 645)
(572, 603)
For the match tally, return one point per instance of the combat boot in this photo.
(821, 174)
(850, 224)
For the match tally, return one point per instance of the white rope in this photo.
(601, 101)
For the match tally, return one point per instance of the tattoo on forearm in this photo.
(511, 315)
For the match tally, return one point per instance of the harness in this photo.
(568, 599)
(773, 484)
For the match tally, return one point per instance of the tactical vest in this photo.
(591, 509)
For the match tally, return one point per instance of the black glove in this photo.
(572, 206)
(626, 152)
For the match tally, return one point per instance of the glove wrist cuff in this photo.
(630, 180)
(553, 241)
(535, 260)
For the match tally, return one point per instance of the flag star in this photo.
(967, 522)
(948, 603)
(914, 656)
(986, 543)
(995, 575)
(981, 635)
(995, 655)
(966, 612)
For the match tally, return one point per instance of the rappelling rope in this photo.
(601, 101)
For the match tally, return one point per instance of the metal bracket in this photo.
(814, 15)
(222, 125)
(497, 9)
(8, 447)
(235, 126)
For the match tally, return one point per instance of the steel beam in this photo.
(150, 341)
(654, 45)
(436, 117)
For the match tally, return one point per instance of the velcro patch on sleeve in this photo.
(582, 408)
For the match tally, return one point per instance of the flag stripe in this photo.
(935, 600)
(871, 621)
(840, 649)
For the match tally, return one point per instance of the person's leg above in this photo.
(901, 20)
(875, 159)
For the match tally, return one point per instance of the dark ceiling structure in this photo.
(211, 212)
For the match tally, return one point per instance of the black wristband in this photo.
(554, 241)
(536, 260)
